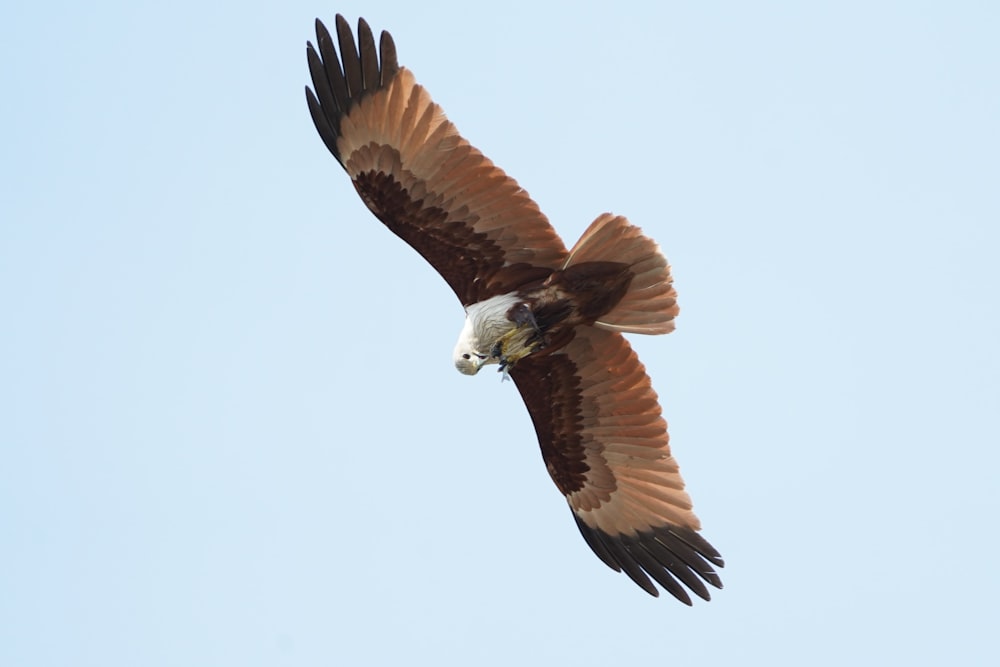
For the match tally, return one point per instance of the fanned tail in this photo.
(650, 304)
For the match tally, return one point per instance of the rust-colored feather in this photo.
(650, 305)
(607, 449)
(418, 175)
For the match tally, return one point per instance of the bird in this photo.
(549, 318)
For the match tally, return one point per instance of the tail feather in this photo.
(650, 304)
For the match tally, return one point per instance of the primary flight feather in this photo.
(549, 317)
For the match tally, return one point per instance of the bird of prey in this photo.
(550, 318)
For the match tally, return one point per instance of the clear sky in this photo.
(230, 429)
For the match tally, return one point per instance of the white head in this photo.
(468, 363)
(468, 359)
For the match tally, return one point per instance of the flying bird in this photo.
(551, 319)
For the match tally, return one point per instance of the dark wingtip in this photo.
(671, 555)
(342, 74)
(387, 54)
(341, 23)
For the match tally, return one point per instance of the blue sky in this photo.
(230, 429)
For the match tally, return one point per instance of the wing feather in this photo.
(333, 72)
(605, 444)
(413, 169)
(349, 56)
(387, 58)
(371, 77)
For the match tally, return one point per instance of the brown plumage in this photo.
(551, 318)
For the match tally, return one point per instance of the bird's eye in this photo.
(465, 356)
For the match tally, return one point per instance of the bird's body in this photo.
(487, 325)
(542, 314)
(550, 317)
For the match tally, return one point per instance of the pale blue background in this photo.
(231, 431)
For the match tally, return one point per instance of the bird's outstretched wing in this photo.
(606, 447)
(471, 221)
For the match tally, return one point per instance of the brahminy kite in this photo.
(551, 319)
